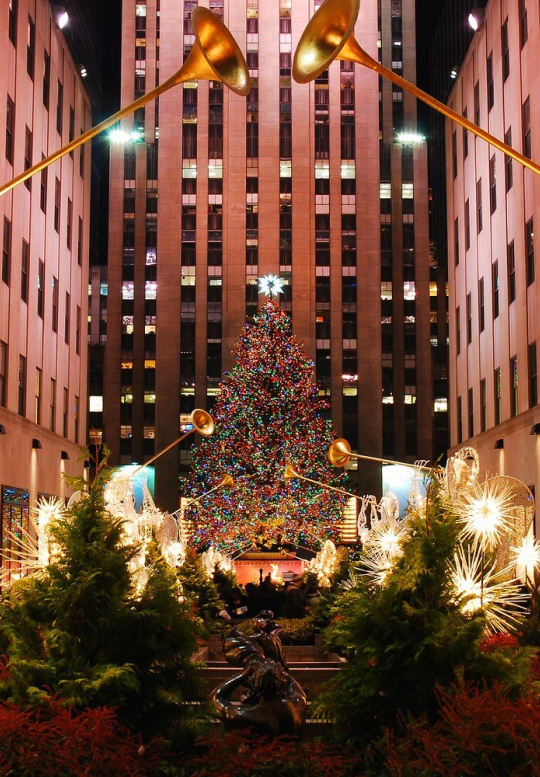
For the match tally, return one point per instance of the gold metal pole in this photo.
(389, 461)
(224, 63)
(225, 481)
(290, 472)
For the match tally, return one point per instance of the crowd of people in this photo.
(291, 600)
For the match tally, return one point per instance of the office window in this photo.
(65, 413)
(490, 84)
(458, 329)
(513, 386)
(6, 251)
(508, 168)
(477, 103)
(529, 250)
(467, 226)
(40, 288)
(21, 388)
(456, 241)
(78, 331)
(54, 296)
(523, 29)
(497, 391)
(69, 226)
(59, 106)
(470, 404)
(3, 372)
(533, 375)
(28, 142)
(80, 242)
(52, 406)
(495, 287)
(57, 197)
(13, 8)
(25, 258)
(481, 310)
(285, 140)
(479, 220)
(505, 50)
(469, 318)
(483, 405)
(492, 185)
(10, 129)
(30, 47)
(526, 127)
(66, 318)
(43, 189)
(511, 270)
(459, 420)
(37, 396)
(46, 78)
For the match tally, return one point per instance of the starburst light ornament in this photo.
(476, 588)
(271, 285)
(486, 513)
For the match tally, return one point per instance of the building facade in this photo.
(493, 205)
(44, 273)
(308, 182)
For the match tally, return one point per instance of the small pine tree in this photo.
(80, 630)
(408, 636)
(200, 591)
(268, 415)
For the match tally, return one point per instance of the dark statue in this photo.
(271, 702)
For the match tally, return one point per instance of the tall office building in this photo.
(493, 205)
(308, 182)
(44, 267)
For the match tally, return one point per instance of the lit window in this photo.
(126, 431)
(127, 320)
(440, 405)
(104, 289)
(386, 290)
(151, 256)
(128, 290)
(285, 168)
(407, 191)
(409, 290)
(386, 193)
(410, 399)
(188, 280)
(150, 397)
(215, 168)
(189, 169)
(149, 364)
(127, 397)
(388, 399)
(140, 9)
(322, 168)
(150, 290)
(348, 169)
(96, 404)
(149, 432)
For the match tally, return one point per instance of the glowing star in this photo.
(527, 554)
(486, 513)
(476, 588)
(271, 285)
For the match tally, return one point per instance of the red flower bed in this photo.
(55, 741)
(242, 754)
(480, 732)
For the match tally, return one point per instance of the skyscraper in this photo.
(44, 272)
(308, 182)
(493, 205)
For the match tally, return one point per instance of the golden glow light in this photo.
(528, 553)
(486, 513)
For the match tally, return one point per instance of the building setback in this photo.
(308, 182)
(44, 273)
(493, 205)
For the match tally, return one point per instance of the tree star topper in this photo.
(271, 285)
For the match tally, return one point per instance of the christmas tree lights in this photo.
(268, 415)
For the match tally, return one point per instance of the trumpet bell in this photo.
(226, 481)
(216, 54)
(325, 35)
(339, 453)
(202, 422)
(290, 472)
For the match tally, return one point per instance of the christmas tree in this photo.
(268, 415)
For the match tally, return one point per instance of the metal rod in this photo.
(168, 448)
(389, 461)
(352, 51)
(330, 488)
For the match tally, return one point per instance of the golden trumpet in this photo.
(215, 55)
(202, 423)
(329, 36)
(226, 481)
(339, 454)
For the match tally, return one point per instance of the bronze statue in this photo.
(272, 703)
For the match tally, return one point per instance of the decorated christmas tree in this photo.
(268, 415)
